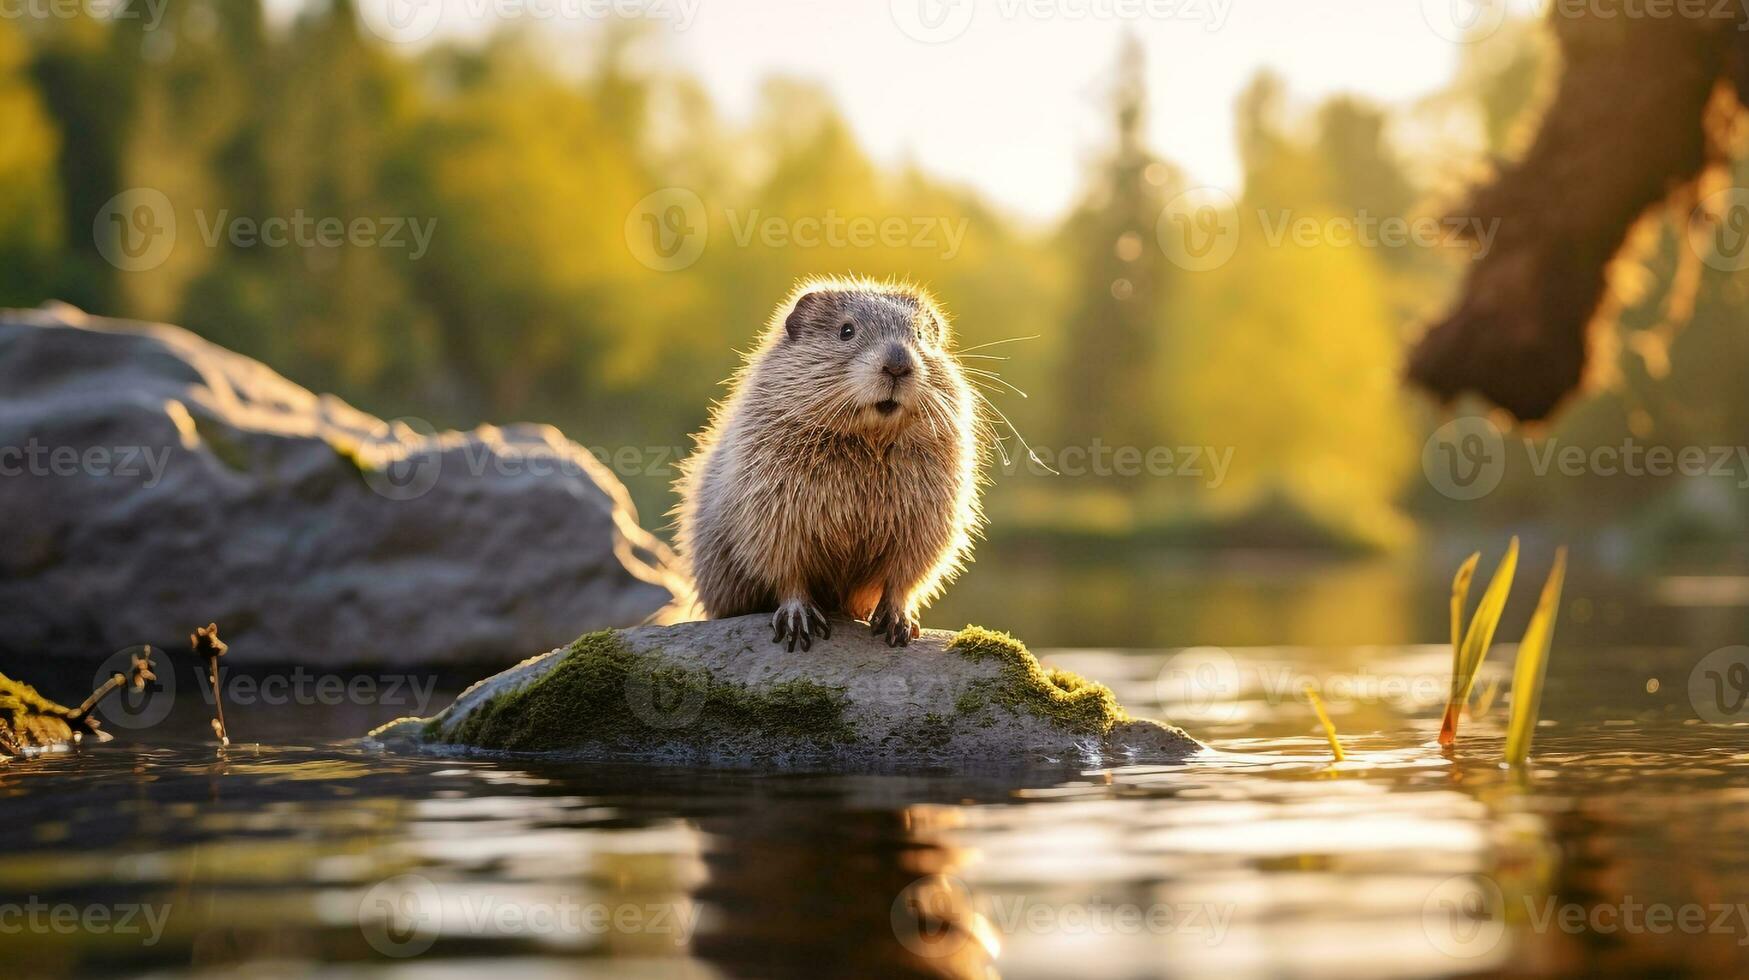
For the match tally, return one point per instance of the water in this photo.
(1623, 849)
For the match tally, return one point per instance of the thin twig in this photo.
(139, 672)
(209, 647)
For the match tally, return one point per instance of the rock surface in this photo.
(720, 692)
(151, 482)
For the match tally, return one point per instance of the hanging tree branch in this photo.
(1628, 127)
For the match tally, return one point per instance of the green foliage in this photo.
(531, 301)
(1311, 327)
(30, 226)
(1114, 323)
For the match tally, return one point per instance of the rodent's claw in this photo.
(799, 622)
(899, 625)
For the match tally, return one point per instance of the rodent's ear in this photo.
(809, 306)
(938, 325)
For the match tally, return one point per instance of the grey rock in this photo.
(720, 692)
(151, 482)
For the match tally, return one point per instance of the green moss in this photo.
(972, 702)
(933, 733)
(604, 694)
(29, 720)
(1060, 696)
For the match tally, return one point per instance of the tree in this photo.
(31, 229)
(87, 83)
(1109, 353)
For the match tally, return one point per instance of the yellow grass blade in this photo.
(1479, 707)
(1533, 665)
(1460, 597)
(1324, 719)
(1477, 638)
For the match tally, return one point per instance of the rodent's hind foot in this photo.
(799, 620)
(898, 623)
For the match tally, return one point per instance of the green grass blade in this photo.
(1533, 665)
(1477, 638)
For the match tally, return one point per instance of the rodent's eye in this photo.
(847, 331)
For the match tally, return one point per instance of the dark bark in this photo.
(1626, 128)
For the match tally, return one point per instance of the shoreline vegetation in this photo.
(584, 258)
(31, 723)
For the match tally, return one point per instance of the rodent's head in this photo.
(865, 357)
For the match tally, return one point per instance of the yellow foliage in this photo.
(1287, 354)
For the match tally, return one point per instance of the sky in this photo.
(1007, 95)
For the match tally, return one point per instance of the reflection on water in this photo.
(1152, 600)
(1622, 850)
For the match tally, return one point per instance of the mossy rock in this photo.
(720, 692)
(31, 723)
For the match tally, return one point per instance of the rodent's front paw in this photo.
(898, 623)
(799, 620)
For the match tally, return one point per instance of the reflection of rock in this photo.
(152, 482)
(721, 691)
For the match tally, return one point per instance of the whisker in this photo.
(992, 389)
(927, 405)
(1018, 437)
(993, 343)
(994, 377)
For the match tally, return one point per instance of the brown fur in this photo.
(804, 499)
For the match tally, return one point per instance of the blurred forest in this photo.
(533, 302)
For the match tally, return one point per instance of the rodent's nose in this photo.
(898, 363)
